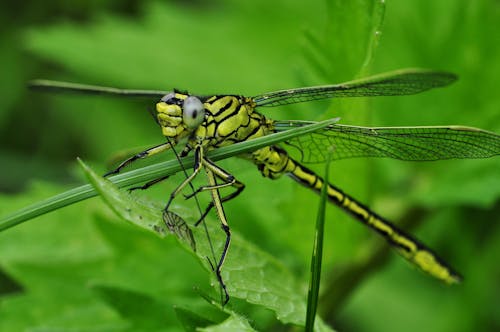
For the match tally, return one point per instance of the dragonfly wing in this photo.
(403, 143)
(178, 226)
(57, 86)
(396, 83)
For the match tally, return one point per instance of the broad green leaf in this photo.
(191, 320)
(233, 323)
(263, 280)
(140, 311)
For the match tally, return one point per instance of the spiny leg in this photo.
(217, 201)
(141, 155)
(149, 183)
(185, 152)
(198, 164)
(223, 199)
(229, 180)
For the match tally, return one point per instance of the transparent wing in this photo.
(56, 86)
(403, 143)
(396, 83)
(178, 226)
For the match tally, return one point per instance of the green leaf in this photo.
(264, 280)
(233, 323)
(191, 320)
(41, 306)
(125, 206)
(142, 312)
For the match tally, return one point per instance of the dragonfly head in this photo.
(179, 114)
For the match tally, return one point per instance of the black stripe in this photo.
(208, 101)
(236, 112)
(225, 107)
(255, 130)
(218, 123)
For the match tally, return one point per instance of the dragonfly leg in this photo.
(229, 181)
(229, 197)
(141, 155)
(149, 183)
(185, 151)
(198, 164)
(217, 202)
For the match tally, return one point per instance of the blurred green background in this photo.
(82, 269)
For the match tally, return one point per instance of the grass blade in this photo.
(150, 172)
(317, 254)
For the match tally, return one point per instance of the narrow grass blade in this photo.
(317, 254)
(151, 172)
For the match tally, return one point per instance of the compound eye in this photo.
(193, 112)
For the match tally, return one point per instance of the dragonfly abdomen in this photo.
(274, 161)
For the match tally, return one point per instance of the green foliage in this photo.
(81, 268)
(264, 281)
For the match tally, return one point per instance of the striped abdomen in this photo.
(274, 161)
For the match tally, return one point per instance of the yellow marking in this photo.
(228, 126)
(157, 149)
(179, 130)
(209, 100)
(201, 131)
(216, 106)
(335, 194)
(259, 133)
(168, 109)
(210, 130)
(354, 207)
(169, 131)
(379, 224)
(180, 96)
(319, 183)
(406, 243)
(428, 263)
(221, 117)
(169, 120)
(309, 178)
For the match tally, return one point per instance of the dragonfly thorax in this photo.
(215, 120)
(230, 119)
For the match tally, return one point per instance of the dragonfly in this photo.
(201, 123)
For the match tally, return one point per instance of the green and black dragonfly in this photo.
(201, 123)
